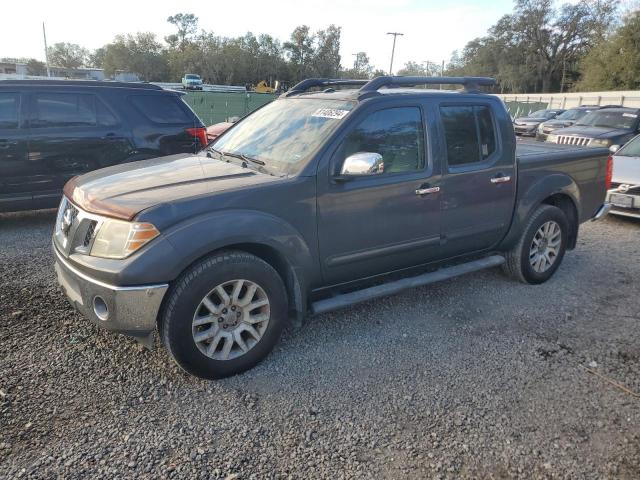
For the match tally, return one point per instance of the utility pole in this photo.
(46, 50)
(393, 49)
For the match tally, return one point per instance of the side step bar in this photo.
(347, 299)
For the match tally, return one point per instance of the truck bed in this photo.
(539, 161)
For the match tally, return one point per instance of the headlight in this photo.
(600, 142)
(119, 239)
(552, 138)
(541, 128)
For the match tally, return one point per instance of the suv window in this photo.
(9, 105)
(161, 108)
(395, 133)
(63, 110)
(469, 133)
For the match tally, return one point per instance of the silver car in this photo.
(624, 194)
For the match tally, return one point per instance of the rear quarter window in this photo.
(163, 109)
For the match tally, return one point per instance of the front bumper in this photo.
(629, 208)
(525, 129)
(129, 310)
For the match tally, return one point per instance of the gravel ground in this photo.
(477, 377)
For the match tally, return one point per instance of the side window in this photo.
(397, 134)
(469, 134)
(9, 106)
(63, 110)
(161, 108)
(486, 131)
(104, 116)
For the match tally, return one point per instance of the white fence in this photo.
(627, 98)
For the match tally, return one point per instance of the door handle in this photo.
(425, 190)
(5, 144)
(501, 179)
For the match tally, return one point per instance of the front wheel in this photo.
(539, 253)
(224, 315)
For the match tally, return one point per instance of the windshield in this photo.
(541, 114)
(192, 77)
(572, 114)
(631, 149)
(285, 133)
(601, 118)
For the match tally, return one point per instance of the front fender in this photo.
(532, 195)
(201, 235)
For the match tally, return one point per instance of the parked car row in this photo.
(585, 126)
(51, 131)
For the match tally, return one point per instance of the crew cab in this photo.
(316, 201)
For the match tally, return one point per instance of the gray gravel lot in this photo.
(477, 377)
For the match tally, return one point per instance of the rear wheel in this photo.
(224, 315)
(539, 253)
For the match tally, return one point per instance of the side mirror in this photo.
(614, 148)
(362, 163)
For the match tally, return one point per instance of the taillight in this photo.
(609, 175)
(199, 133)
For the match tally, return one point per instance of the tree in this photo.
(141, 54)
(300, 50)
(424, 69)
(362, 67)
(36, 67)
(187, 25)
(67, 55)
(614, 64)
(537, 46)
(326, 60)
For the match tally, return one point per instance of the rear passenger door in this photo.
(478, 190)
(14, 168)
(72, 133)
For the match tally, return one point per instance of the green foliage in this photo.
(140, 53)
(67, 55)
(36, 67)
(614, 64)
(538, 46)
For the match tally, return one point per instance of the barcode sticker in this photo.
(330, 113)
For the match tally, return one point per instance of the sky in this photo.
(432, 29)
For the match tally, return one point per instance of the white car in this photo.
(191, 81)
(624, 195)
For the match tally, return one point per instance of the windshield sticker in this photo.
(630, 115)
(330, 113)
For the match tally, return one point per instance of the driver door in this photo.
(378, 222)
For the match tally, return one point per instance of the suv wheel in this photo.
(539, 253)
(224, 314)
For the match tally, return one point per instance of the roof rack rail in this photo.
(469, 83)
(305, 85)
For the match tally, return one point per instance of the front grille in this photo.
(570, 140)
(75, 229)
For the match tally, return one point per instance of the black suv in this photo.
(53, 130)
(601, 128)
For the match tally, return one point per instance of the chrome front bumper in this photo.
(129, 310)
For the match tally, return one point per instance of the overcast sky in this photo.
(432, 29)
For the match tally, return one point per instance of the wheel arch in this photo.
(559, 190)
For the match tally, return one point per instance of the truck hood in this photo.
(123, 191)
(590, 132)
(528, 120)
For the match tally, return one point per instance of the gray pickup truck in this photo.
(340, 191)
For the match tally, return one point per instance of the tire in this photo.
(186, 307)
(519, 259)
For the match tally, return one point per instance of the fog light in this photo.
(100, 308)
